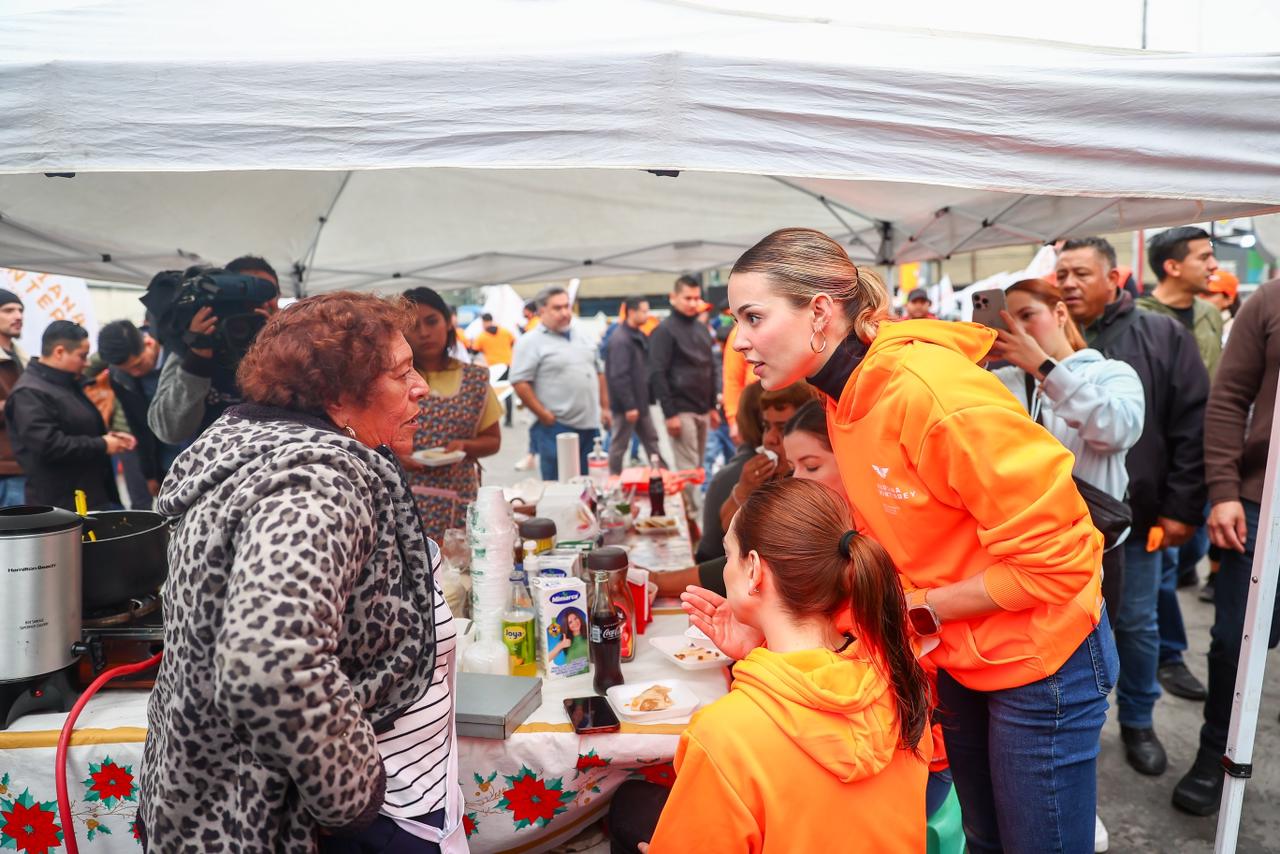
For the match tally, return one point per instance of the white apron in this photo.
(452, 839)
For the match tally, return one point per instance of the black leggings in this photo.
(1112, 579)
(633, 815)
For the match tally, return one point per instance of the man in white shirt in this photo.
(556, 373)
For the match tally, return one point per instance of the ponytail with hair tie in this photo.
(846, 544)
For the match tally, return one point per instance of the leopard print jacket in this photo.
(298, 622)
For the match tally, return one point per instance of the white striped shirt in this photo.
(415, 751)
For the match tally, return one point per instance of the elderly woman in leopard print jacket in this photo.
(302, 621)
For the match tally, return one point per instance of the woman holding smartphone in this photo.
(1091, 404)
(976, 506)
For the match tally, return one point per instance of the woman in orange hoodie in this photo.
(819, 724)
(976, 506)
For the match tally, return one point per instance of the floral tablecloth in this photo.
(529, 793)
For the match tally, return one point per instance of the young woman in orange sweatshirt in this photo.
(975, 504)
(821, 724)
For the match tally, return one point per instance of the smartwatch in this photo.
(1045, 367)
(922, 618)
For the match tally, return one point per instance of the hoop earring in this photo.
(350, 432)
(821, 349)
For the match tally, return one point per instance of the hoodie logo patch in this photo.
(883, 471)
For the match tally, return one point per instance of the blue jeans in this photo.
(1225, 638)
(719, 446)
(1138, 635)
(543, 440)
(13, 491)
(1025, 759)
(1173, 635)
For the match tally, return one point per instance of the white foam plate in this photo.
(670, 526)
(672, 645)
(436, 457)
(698, 636)
(683, 700)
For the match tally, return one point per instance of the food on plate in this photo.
(694, 652)
(434, 454)
(655, 698)
(656, 523)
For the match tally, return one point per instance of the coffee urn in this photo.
(40, 630)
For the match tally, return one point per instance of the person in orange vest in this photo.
(735, 377)
(819, 722)
(976, 505)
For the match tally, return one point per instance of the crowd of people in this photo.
(903, 547)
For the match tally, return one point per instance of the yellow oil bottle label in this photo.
(522, 649)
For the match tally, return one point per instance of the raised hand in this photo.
(711, 613)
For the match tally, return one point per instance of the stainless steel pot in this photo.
(39, 590)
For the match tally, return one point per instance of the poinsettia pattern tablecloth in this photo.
(528, 793)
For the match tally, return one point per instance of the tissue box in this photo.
(562, 563)
(493, 706)
(563, 631)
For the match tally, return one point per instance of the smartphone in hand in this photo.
(987, 306)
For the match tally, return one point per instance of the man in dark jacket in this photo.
(626, 371)
(134, 358)
(1183, 262)
(1166, 467)
(12, 363)
(1238, 423)
(683, 375)
(58, 434)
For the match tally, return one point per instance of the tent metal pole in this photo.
(302, 267)
(811, 194)
(1238, 761)
(1099, 212)
(99, 256)
(831, 206)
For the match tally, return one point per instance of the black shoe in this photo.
(1143, 751)
(1188, 578)
(1199, 792)
(1206, 592)
(1180, 682)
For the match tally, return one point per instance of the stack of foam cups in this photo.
(491, 534)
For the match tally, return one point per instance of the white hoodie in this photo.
(1093, 405)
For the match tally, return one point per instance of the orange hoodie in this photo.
(802, 755)
(947, 471)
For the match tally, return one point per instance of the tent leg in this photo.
(1253, 655)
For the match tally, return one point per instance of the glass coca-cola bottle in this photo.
(606, 636)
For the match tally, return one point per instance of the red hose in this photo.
(64, 741)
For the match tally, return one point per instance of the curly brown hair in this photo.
(322, 348)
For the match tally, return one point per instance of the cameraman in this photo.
(195, 389)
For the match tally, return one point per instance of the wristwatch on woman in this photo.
(921, 616)
(1045, 367)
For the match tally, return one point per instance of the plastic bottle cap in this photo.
(608, 558)
(538, 528)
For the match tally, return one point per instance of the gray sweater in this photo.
(298, 622)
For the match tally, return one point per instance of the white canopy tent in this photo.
(360, 145)
(508, 141)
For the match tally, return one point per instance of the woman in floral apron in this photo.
(461, 413)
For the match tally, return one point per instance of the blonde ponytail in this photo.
(801, 263)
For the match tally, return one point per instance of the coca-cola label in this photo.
(605, 634)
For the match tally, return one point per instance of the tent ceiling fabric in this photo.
(388, 228)
(503, 140)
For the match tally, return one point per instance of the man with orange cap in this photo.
(1224, 292)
